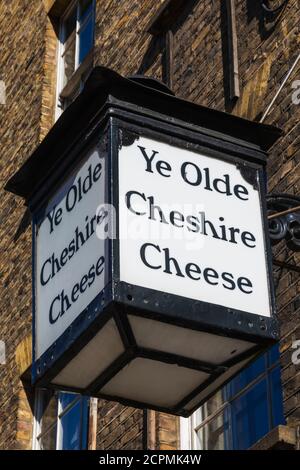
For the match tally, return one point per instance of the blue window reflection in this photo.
(86, 28)
(86, 39)
(85, 10)
(252, 405)
(73, 422)
(247, 376)
(276, 394)
(256, 405)
(250, 416)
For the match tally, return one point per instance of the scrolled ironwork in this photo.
(285, 226)
(273, 11)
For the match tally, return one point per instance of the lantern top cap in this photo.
(103, 84)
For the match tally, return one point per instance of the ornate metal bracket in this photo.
(273, 12)
(284, 219)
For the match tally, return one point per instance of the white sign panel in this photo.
(191, 225)
(70, 258)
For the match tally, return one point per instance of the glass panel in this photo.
(250, 416)
(215, 434)
(212, 405)
(69, 42)
(273, 354)
(69, 61)
(49, 405)
(86, 39)
(277, 401)
(86, 8)
(66, 399)
(69, 24)
(71, 429)
(246, 376)
(73, 435)
(48, 440)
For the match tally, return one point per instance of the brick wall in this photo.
(28, 67)
(22, 26)
(119, 427)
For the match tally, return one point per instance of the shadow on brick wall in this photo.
(267, 23)
(157, 45)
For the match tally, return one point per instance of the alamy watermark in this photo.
(296, 353)
(296, 93)
(2, 353)
(138, 223)
(2, 92)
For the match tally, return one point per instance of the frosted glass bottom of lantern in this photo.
(152, 382)
(93, 359)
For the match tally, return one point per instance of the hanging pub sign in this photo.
(152, 280)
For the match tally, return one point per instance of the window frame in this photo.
(64, 91)
(189, 427)
(61, 413)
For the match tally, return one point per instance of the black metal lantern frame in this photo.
(124, 112)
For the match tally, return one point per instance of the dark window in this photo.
(61, 421)
(244, 410)
(75, 50)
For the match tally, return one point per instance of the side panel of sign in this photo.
(69, 251)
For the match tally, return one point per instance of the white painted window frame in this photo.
(61, 49)
(188, 431)
(189, 427)
(38, 416)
